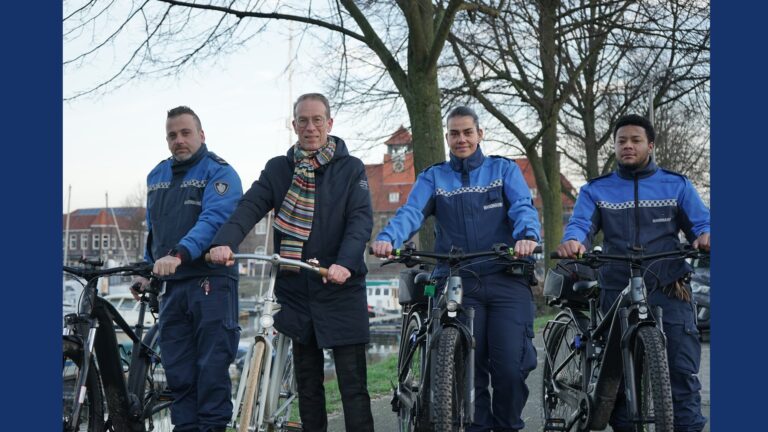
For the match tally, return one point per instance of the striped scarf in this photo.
(294, 219)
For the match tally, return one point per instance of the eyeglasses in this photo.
(317, 121)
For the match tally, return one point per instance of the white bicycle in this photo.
(267, 388)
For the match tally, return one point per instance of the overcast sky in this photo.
(112, 142)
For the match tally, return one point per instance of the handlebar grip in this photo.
(323, 271)
(538, 249)
(370, 250)
(554, 255)
(208, 257)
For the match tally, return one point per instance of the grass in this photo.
(380, 377)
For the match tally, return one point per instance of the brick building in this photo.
(93, 233)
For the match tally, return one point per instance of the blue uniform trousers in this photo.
(198, 341)
(683, 355)
(504, 354)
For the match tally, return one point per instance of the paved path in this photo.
(386, 421)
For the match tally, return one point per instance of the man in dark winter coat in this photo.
(643, 206)
(322, 210)
(189, 196)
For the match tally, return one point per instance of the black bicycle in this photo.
(588, 353)
(106, 387)
(435, 383)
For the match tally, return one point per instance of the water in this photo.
(380, 347)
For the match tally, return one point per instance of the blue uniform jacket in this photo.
(187, 202)
(477, 202)
(647, 208)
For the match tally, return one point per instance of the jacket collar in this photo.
(341, 151)
(182, 166)
(469, 163)
(648, 170)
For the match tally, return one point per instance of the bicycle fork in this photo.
(80, 384)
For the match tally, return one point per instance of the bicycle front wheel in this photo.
(249, 411)
(563, 369)
(448, 390)
(149, 384)
(653, 387)
(91, 416)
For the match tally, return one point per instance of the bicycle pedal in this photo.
(165, 395)
(290, 426)
(554, 424)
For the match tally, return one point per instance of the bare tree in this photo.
(659, 60)
(514, 67)
(165, 37)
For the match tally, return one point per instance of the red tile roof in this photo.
(84, 219)
(400, 137)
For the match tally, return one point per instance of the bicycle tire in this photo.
(652, 382)
(414, 419)
(147, 381)
(559, 346)
(91, 418)
(252, 389)
(448, 392)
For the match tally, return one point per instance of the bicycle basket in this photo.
(558, 285)
(411, 292)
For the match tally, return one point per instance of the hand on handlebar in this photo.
(138, 284)
(702, 243)
(382, 249)
(524, 248)
(337, 274)
(166, 265)
(222, 255)
(570, 249)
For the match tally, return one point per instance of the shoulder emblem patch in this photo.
(221, 187)
(363, 184)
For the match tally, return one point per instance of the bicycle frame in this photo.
(92, 328)
(609, 341)
(269, 391)
(431, 327)
(442, 312)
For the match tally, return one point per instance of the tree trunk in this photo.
(423, 104)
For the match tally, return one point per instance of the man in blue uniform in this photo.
(189, 196)
(478, 201)
(323, 210)
(643, 206)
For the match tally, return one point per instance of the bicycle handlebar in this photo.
(277, 260)
(136, 269)
(633, 257)
(455, 256)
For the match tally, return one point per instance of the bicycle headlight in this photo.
(266, 321)
(452, 305)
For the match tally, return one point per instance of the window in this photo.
(115, 244)
(83, 241)
(72, 241)
(95, 242)
(533, 192)
(261, 227)
(260, 250)
(378, 291)
(386, 291)
(105, 241)
(128, 244)
(394, 197)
